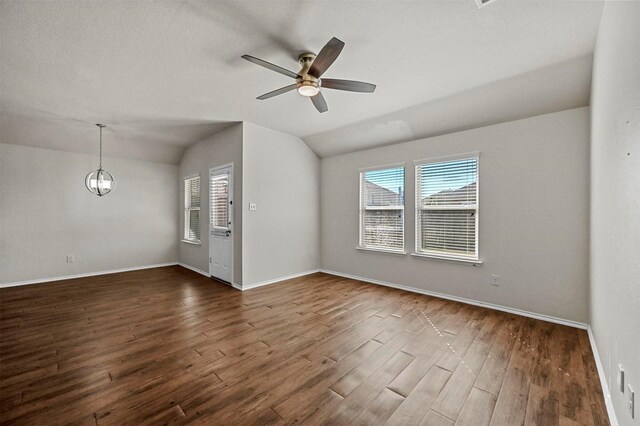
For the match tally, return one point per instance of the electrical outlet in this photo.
(631, 401)
(70, 259)
(252, 206)
(621, 378)
(495, 280)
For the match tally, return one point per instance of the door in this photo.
(220, 223)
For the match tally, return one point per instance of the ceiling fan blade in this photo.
(325, 58)
(348, 85)
(319, 102)
(269, 65)
(277, 92)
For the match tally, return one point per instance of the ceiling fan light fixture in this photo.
(308, 88)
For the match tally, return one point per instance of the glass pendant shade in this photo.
(100, 182)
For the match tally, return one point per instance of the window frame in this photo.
(212, 211)
(362, 208)
(188, 208)
(475, 258)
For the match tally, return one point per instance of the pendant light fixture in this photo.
(100, 182)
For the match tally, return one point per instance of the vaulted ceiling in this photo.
(165, 74)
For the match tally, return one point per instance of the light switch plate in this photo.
(621, 378)
(252, 206)
(70, 259)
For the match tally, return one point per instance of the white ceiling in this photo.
(165, 74)
(555, 88)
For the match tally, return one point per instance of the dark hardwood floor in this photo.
(166, 345)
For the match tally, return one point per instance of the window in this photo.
(219, 198)
(382, 209)
(447, 208)
(192, 209)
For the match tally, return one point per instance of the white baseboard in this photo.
(277, 280)
(87, 274)
(200, 271)
(464, 300)
(603, 380)
(206, 274)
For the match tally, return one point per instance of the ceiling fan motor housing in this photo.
(306, 59)
(308, 85)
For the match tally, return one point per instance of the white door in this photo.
(220, 223)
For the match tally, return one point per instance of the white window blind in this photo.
(219, 196)
(192, 209)
(382, 209)
(447, 208)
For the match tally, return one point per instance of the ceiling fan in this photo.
(308, 81)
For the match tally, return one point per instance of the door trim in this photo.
(231, 216)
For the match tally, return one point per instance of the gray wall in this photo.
(615, 199)
(281, 175)
(534, 176)
(222, 148)
(46, 213)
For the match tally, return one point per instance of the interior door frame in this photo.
(232, 210)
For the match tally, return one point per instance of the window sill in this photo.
(195, 243)
(377, 250)
(448, 258)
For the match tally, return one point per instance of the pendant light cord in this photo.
(100, 147)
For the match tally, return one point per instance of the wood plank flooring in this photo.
(168, 346)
